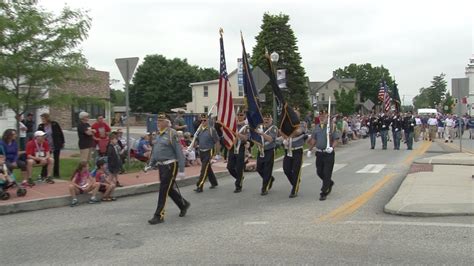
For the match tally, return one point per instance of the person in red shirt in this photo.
(38, 153)
(101, 135)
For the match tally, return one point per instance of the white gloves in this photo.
(329, 150)
(309, 153)
(396, 129)
(147, 168)
(181, 175)
(259, 130)
(285, 142)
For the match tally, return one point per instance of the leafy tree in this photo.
(117, 97)
(161, 84)
(422, 99)
(277, 35)
(345, 101)
(433, 95)
(368, 79)
(448, 104)
(39, 52)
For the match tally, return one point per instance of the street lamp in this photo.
(274, 58)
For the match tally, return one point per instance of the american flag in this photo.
(225, 106)
(384, 96)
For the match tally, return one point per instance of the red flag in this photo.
(225, 106)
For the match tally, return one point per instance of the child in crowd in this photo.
(106, 185)
(114, 162)
(82, 182)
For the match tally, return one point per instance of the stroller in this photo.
(8, 182)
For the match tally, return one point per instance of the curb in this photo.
(62, 201)
(406, 211)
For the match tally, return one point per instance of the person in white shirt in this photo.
(418, 126)
(432, 125)
(449, 128)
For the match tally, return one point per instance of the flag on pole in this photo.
(225, 106)
(386, 97)
(289, 120)
(381, 95)
(254, 115)
(396, 97)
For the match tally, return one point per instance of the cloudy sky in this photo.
(415, 40)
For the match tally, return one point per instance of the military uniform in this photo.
(168, 156)
(373, 125)
(324, 158)
(236, 159)
(207, 138)
(397, 126)
(293, 160)
(266, 159)
(409, 124)
(385, 122)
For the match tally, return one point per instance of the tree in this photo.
(345, 101)
(38, 52)
(433, 95)
(161, 84)
(368, 79)
(448, 104)
(117, 97)
(277, 35)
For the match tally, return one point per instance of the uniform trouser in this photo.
(448, 133)
(206, 169)
(167, 178)
(236, 164)
(292, 168)
(265, 167)
(396, 139)
(432, 130)
(384, 135)
(417, 132)
(409, 139)
(324, 167)
(373, 138)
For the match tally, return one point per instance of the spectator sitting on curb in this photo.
(82, 182)
(9, 148)
(106, 184)
(38, 153)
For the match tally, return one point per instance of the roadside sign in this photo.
(368, 104)
(127, 67)
(261, 79)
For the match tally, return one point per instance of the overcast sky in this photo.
(415, 40)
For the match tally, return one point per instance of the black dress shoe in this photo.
(322, 197)
(238, 190)
(293, 195)
(330, 188)
(198, 189)
(213, 186)
(264, 193)
(183, 211)
(156, 220)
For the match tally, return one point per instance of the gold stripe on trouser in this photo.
(242, 176)
(207, 168)
(270, 180)
(299, 175)
(173, 175)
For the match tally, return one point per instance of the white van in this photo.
(427, 111)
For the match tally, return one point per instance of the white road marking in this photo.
(409, 223)
(371, 169)
(256, 223)
(338, 166)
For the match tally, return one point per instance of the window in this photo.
(206, 91)
(323, 97)
(206, 109)
(241, 91)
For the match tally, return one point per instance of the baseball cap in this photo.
(39, 133)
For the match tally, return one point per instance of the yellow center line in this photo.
(353, 205)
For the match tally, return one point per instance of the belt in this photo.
(294, 149)
(166, 162)
(318, 150)
(204, 150)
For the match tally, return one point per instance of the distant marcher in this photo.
(85, 134)
(179, 124)
(82, 182)
(432, 127)
(409, 124)
(38, 153)
(55, 137)
(449, 128)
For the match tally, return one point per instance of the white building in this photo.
(205, 93)
(470, 76)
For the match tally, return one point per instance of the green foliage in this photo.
(433, 95)
(277, 35)
(117, 97)
(38, 52)
(345, 101)
(449, 103)
(368, 79)
(161, 84)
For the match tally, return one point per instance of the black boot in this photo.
(156, 220)
(238, 190)
(183, 211)
(198, 189)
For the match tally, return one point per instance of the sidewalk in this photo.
(442, 185)
(44, 196)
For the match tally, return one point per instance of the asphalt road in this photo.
(226, 228)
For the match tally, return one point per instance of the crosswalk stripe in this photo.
(281, 169)
(338, 166)
(371, 169)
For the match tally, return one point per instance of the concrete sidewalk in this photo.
(44, 196)
(442, 185)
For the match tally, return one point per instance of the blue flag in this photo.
(254, 115)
